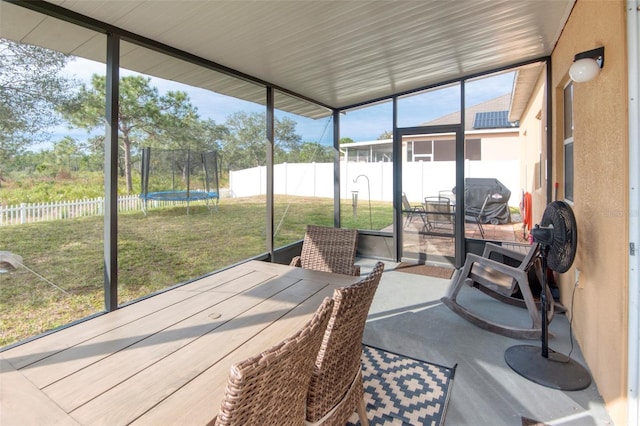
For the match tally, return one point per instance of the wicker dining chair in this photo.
(329, 249)
(336, 389)
(271, 388)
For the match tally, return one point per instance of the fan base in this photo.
(557, 371)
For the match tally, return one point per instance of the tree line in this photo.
(35, 96)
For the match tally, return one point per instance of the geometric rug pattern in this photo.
(403, 391)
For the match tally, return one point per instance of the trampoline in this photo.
(184, 176)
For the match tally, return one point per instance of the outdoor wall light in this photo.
(587, 65)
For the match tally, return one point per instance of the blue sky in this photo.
(363, 124)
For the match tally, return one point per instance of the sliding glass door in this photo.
(430, 232)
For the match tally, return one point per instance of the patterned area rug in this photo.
(404, 391)
(432, 271)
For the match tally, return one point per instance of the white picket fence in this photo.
(39, 212)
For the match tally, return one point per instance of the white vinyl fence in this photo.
(419, 179)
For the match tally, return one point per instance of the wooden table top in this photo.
(163, 360)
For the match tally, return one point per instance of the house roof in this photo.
(499, 104)
(338, 53)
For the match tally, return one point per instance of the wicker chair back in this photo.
(271, 388)
(329, 249)
(336, 388)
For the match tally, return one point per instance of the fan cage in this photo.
(562, 250)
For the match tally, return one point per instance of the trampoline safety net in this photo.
(179, 176)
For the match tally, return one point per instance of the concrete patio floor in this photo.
(407, 317)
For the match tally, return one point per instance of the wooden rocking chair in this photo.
(504, 282)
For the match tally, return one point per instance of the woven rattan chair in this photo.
(271, 388)
(329, 249)
(336, 389)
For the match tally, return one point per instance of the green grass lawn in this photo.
(163, 248)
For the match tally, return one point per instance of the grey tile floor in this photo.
(407, 317)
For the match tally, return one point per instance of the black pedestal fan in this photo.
(558, 236)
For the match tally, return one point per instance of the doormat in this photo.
(432, 271)
(399, 390)
(530, 422)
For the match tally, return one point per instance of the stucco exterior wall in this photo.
(533, 149)
(600, 192)
(499, 146)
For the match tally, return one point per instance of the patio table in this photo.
(162, 360)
